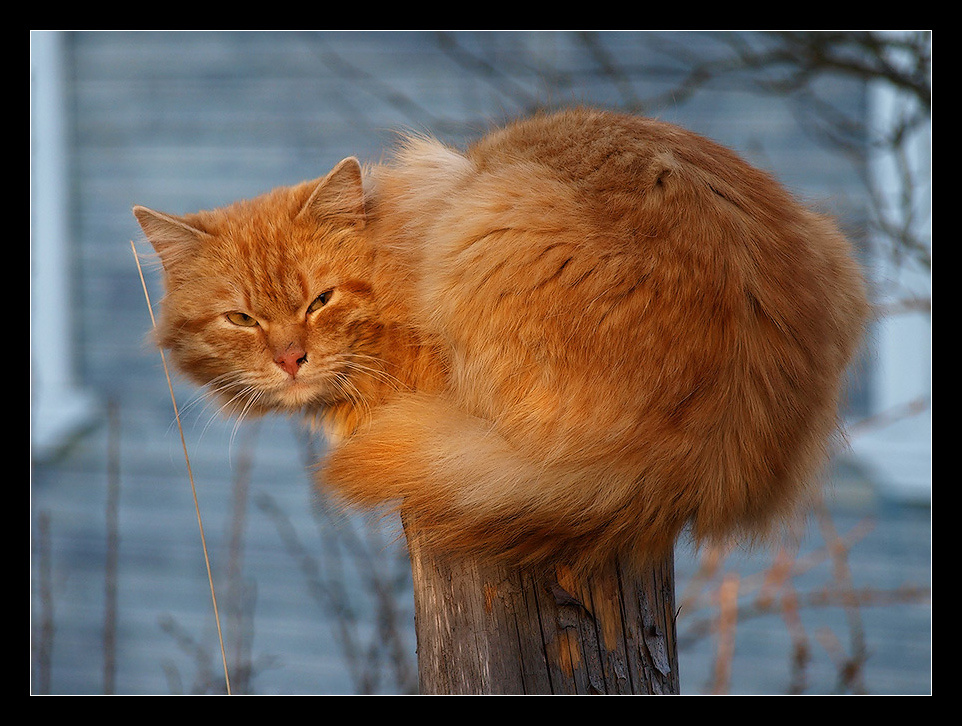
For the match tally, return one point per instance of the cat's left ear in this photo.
(170, 236)
(340, 195)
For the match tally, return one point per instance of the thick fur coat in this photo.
(571, 341)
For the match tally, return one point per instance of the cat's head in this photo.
(268, 301)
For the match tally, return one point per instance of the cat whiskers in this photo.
(253, 395)
(345, 388)
(208, 394)
(378, 373)
(234, 396)
(215, 392)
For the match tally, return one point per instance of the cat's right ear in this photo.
(339, 195)
(171, 237)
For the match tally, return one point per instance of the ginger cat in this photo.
(571, 341)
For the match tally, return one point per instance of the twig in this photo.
(852, 671)
(727, 623)
(190, 475)
(801, 653)
(239, 594)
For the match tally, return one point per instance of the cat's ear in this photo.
(340, 195)
(171, 236)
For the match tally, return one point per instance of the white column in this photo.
(898, 451)
(58, 406)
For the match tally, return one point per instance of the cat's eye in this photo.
(320, 301)
(242, 319)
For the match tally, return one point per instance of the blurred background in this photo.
(317, 601)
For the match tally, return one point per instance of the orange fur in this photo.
(573, 340)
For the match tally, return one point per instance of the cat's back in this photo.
(601, 244)
(583, 205)
(611, 229)
(594, 200)
(617, 163)
(581, 146)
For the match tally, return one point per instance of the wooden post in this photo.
(484, 628)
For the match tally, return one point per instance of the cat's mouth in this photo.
(296, 392)
(309, 388)
(304, 390)
(271, 396)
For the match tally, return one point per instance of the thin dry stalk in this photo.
(776, 578)
(239, 593)
(830, 642)
(383, 576)
(853, 670)
(700, 596)
(709, 566)
(204, 678)
(801, 653)
(190, 475)
(711, 589)
(727, 624)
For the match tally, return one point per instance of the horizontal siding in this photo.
(181, 121)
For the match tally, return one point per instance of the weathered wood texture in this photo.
(486, 629)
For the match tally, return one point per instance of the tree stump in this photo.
(483, 628)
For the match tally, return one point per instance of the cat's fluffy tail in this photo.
(469, 490)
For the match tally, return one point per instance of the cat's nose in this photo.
(291, 359)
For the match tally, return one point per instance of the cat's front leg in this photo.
(467, 487)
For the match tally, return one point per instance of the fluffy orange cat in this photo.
(582, 335)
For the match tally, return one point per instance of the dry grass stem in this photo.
(190, 474)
